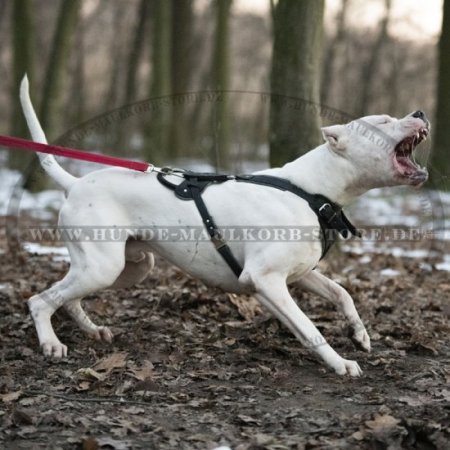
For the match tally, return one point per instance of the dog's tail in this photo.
(48, 162)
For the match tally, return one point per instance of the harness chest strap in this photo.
(329, 214)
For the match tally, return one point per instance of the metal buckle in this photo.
(218, 241)
(327, 212)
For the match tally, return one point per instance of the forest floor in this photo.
(193, 368)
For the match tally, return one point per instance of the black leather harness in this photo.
(331, 218)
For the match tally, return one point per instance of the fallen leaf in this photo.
(28, 401)
(134, 410)
(10, 396)
(142, 373)
(89, 373)
(415, 401)
(382, 423)
(247, 419)
(84, 385)
(89, 443)
(111, 362)
(358, 435)
(248, 307)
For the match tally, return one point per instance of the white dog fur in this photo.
(354, 158)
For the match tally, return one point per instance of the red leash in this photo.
(24, 144)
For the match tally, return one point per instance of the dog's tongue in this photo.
(405, 164)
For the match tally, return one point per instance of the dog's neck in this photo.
(321, 171)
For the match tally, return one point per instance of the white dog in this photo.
(367, 153)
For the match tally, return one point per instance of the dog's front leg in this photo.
(78, 314)
(273, 293)
(324, 287)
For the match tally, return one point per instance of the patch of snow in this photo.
(401, 206)
(370, 247)
(40, 205)
(365, 259)
(445, 264)
(61, 253)
(401, 252)
(389, 273)
(8, 179)
(7, 288)
(426, 267)
(442, 235)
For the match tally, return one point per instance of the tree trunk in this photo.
(161, 69)
(158, 132)
(220, 76)
(113, 93)
(182, 34)
(295, 79)
(22, 30)
(2, 11)
(78, 91)
(334, 47)
(370, 71)
(135, 51)
(57, 66)
(441, 140)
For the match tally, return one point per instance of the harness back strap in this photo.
(330, 214)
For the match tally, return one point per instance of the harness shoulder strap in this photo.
(191, 189)
(214, 232)
(331, 217)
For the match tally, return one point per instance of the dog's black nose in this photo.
(420, 115)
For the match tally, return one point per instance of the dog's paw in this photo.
(102, 334)
(55, 349)
(347, 367)
(360, 338)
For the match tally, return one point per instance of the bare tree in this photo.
(135, 51)
(370, 69)
(158, 131)
(56, 72)
(220, 80)
(22, 30)
(182, 36)
(334, 46)
(297, 49)
(441, 141)
(113, 94)
(78, 89)
(2, 11)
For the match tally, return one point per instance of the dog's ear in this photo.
(336, 136)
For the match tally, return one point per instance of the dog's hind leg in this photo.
(138, 266)
(78, 314)
(92, 269)
(139, 263)
(273, 293)
(328, 289)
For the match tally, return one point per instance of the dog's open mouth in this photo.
(404, 162)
